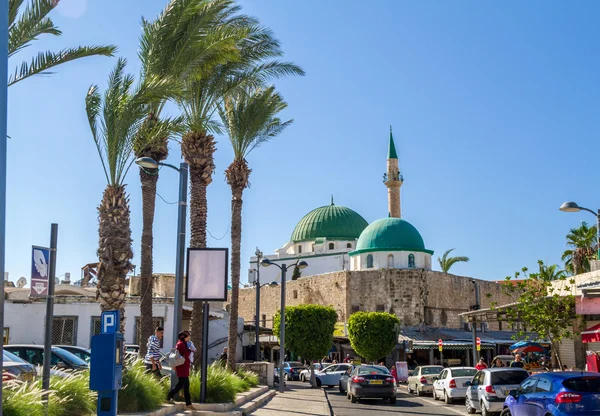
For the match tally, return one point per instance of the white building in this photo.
(334, 238)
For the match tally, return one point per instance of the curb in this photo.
(165, 410)
(251, 406)
(328, 406)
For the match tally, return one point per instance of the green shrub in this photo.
(372, 334)
(248, 376)
(25, 399)
(141, 392)
(222, 386)
(71, 395)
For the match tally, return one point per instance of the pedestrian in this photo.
(183, 370)
(394, 373)
(334, 362)
(153, 356)
(481, 364)
(517, 363)
(223, 357)
(497, 363)
(347, 359)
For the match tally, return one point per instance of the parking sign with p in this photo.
(110, 322)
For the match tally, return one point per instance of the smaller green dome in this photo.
(333, 222)
(390, 234)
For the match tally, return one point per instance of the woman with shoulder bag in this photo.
(183, 370)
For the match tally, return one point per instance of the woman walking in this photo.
(183, 370)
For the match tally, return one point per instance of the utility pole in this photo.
(3, 138)
(474, 323)
(257, 320)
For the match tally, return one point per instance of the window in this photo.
(64, 330)
(160, 321)
(95, 326)
(349, 245)
(369, 261)
(411, 260)
(528, 386)
(295, 294)
(544, 385)
(331, 246)
(586, 384)
(379, 308)
(299, 249)
(6, 335)
(509, 377)
(391, 261)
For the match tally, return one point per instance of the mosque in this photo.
(334, 238)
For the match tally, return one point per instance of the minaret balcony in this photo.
(396, 176)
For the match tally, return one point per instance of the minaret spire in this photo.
(393, 180)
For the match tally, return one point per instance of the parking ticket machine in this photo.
(106, 364)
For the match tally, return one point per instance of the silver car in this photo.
(422, 377)
(450, 384)
(490, 386)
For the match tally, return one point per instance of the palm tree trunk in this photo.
(114, 249)
(149, 178)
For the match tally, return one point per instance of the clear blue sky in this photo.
(494, 106)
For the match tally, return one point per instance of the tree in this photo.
(582, 243)
(250, 64)
(308, 331)
(372, 334)
(114, 119)
(447, 262)
(25, 26)
(251, 119)
(296, 273)
(544, 304)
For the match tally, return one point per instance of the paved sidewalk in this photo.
(297, 400)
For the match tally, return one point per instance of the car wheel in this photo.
(447, 398)
(506, 412)
(468, 406)
(484, 410)
(393, 400)
(410, 391)
(419, 392)
(319, 383)
(435, 396)
(353, 398)
(340, 387)
(302, 378)
(348, 395)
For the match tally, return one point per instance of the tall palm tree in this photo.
(447, 262)
(582, 245)
(184, 39)
(551, 272)
(25, 26)
(250, 118)
(115, 119)
(253, 65)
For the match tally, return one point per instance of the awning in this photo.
(591, 334)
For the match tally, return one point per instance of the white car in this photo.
(330, 376)
(490, 387)
(450, 384)
(305, 374)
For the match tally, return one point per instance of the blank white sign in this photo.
(207, 274)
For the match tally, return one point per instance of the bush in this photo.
(248, 376)
(372, 334)
(222, 386)
(71, 395)
(141, 392)
(25, 399)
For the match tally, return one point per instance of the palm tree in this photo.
(582, 245)
(250, 118)
(252, 65)
(25, 26)
(552, 272)
(185, 38)
(114, 120)
(447, 262)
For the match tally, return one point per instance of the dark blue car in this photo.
(556, 394)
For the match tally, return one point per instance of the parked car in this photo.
(558, 394)
(371, 381)
(14, 368)
(84, 353)
(305, 374)
(343, 383)
(330, 376)
(421, 380)
(450, 384)
(490, 387)
(60, 358)
(292, 370)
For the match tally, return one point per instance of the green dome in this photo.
(390, 234)
(332, 222)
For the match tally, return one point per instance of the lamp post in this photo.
(283, 268)
(149, 163)
(257, 283)
(573, 207)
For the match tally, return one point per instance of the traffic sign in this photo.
(109, 322)
(440, 344)
(478, 342)
(40, 263)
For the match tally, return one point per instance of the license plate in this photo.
(375, 382)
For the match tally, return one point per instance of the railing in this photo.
(396, 176)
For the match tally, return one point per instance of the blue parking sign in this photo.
(109, 322)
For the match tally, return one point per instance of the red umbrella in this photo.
(591, 334)
(529, 348)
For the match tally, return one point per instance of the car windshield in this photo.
(295, 364)
(500, 378)
(9, 356)
(372, 370)
(463, 372)
(589, 384)
(431, 370)
(68, 357)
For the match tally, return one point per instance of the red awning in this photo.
(591, 334)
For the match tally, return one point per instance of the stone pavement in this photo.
(297, 400)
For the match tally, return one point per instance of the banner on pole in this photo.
(40, 268)
(206, 277)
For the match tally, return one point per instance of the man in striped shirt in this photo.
(153, 356)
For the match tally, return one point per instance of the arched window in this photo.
(369, 261)
(299, 249)
(391, 261)
(349, 245)
(411, 260)
(331, 246)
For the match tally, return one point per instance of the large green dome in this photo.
(390, 234)
(332, 222)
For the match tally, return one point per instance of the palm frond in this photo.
(32, 23)
(44, 61)
(447, 262)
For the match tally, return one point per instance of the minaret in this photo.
(393, 180)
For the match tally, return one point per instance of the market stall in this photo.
(534, 354)
(589, 336)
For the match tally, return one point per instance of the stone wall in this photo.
(418, 297)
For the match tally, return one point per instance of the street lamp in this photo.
(149, 163)
(283, 268)
(258, 254)
(573, 207)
